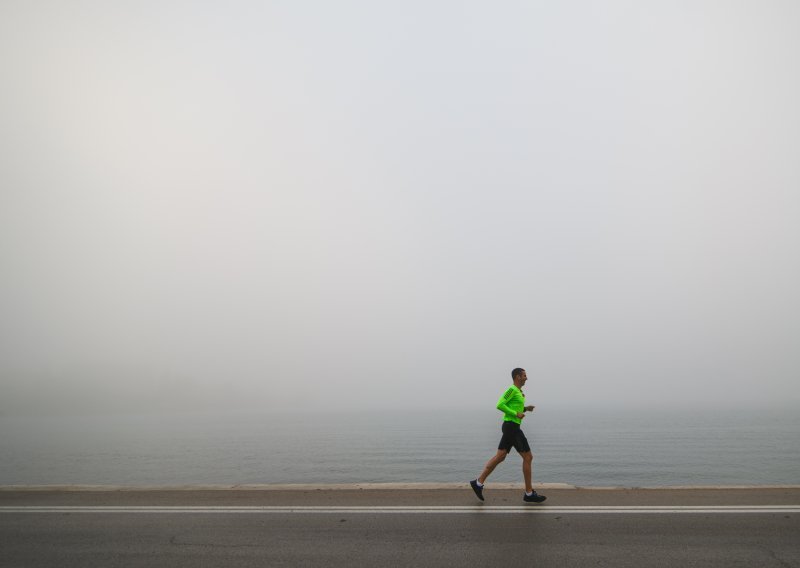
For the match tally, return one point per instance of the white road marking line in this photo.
(474, 509)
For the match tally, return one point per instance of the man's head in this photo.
(519, 376)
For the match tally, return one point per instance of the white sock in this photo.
(479, 483)
(529, 494)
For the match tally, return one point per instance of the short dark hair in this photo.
(516, 372)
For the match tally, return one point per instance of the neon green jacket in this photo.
(512, 402)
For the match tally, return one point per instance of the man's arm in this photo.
(502, 404)
(504, 408)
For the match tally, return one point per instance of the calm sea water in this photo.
(587, 448)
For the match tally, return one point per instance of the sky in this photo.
(304, 205)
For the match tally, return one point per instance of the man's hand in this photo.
(520, 415)
(530, 408)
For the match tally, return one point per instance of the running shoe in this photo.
(533, 498)
(477, 488)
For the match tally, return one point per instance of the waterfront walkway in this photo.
(397, 525)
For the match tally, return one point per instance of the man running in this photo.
(512, 405)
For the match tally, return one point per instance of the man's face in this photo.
(523, 376)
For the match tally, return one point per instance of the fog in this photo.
(301, 206)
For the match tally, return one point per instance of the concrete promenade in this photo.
(397, 525)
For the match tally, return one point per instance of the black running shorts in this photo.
(513, 437)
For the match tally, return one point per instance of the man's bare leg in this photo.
(527, 470)
(491, 464)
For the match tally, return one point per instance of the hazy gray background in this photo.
(305, 205)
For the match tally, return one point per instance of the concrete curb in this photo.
(364, 486)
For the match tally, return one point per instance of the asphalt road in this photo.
(400, 528)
